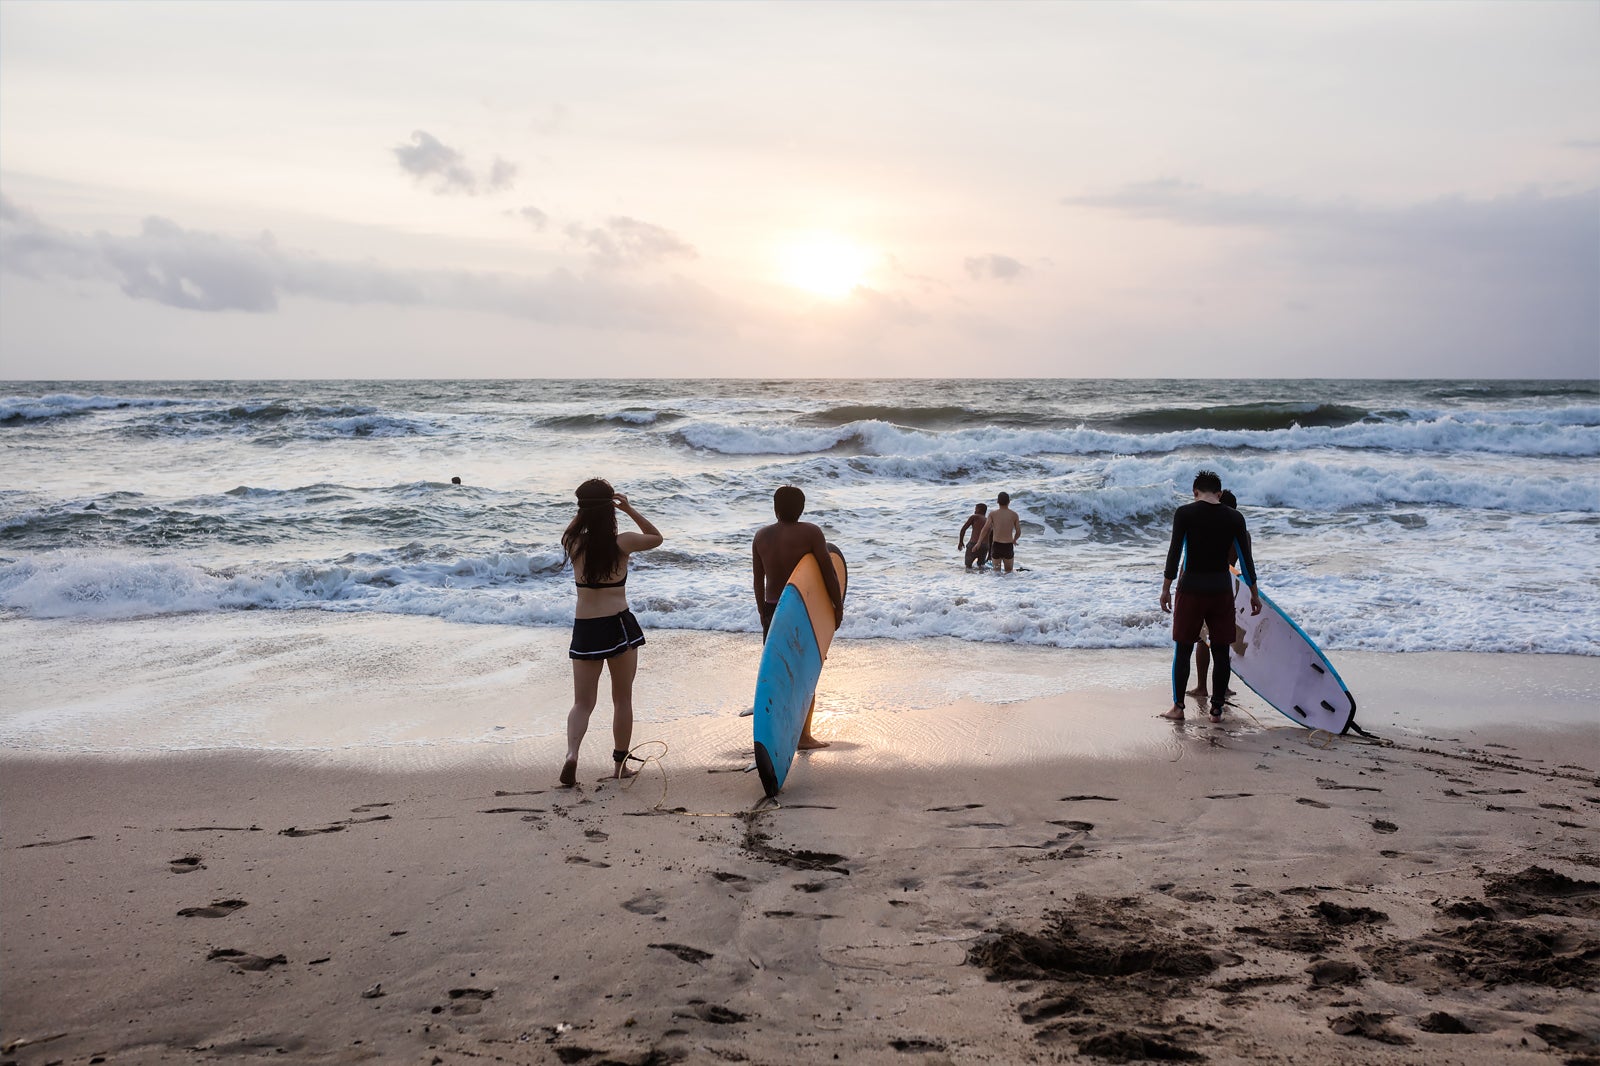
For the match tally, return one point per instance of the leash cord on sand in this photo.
(1479, 760)
(762, 805)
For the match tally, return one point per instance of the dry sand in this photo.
(1224, 894)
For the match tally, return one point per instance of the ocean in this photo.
(1385, 515)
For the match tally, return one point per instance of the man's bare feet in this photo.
(1176, 714)
(1200, 693)
(569, 773)
(623, 773)
(808, 742)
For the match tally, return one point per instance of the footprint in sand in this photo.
(717, 1015)
(647, 902)
(514, 810)
(597, 835)
(53, 843)
(1328, 783)
(1231, 796)
(219, 909)
(1313, 803)
(1079, 799)
(725, 877)
(955, 807)
(579, 860)
(186, 864)
(685, 952)
(243, 960)
(365, 807)
(469, 1000)
(1081, 827)
(1381, 826)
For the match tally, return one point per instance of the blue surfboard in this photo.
(791, 663)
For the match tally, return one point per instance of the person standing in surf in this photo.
(605, 634)
(774, 553)
(1203, 532)
(978, 552)
(1002, 531)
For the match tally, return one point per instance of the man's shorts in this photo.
(1002, 550)
(1213, 610)
(605, 637)
(766, 610)
(977, 553)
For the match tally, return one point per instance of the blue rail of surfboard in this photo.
(1265, 599)
(786, 680)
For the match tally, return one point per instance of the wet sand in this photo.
(946, 884)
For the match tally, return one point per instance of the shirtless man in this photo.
(775, 552)
(979, 551)
(1003, 529)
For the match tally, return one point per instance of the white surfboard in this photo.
(1284, 666)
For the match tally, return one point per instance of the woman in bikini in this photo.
(604, 631)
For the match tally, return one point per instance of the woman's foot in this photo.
(1201, 693)
(569, 773)
(1176, 714)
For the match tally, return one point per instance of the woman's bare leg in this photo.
(623, 667)
(585, 690)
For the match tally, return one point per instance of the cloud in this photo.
(995, 267)
(626, 242)
(196, 271)
(1466, 283)
(427, 158)
(1515, 242)
(532, 216)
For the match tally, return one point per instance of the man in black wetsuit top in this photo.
(1203, 533)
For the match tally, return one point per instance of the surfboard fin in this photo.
(1318, 668)
(764, 767)
(1301, 710)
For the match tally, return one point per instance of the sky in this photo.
(771, 189)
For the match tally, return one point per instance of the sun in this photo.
(825, 264)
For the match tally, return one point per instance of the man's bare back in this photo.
(1005, 525)
(778, 549)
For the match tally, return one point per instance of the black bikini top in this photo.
(604, 584)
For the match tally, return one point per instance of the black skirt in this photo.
(602, 638)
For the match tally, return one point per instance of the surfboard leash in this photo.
(761, 806)
(1479, 760)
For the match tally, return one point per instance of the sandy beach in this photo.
(947, 884)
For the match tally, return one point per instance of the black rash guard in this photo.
(1202, 535)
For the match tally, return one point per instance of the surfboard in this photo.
(1284, 666)
(791, 662)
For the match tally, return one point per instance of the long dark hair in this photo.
(593, 533)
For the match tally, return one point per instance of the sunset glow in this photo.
(826, 265)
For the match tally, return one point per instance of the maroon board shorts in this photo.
(1214, 610)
